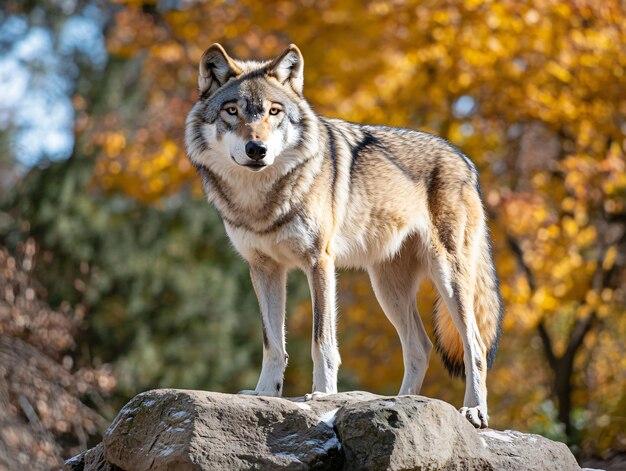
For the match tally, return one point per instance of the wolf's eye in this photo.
(274, 111)
(231, 110)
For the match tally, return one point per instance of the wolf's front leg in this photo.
(270, 283)
(324, 349)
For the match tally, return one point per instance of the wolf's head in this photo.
(249, 115)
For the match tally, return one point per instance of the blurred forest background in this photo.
(116, 275)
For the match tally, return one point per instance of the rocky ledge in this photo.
(182, 430)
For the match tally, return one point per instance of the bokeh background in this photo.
(116, 275)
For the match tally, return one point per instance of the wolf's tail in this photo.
(487, 308)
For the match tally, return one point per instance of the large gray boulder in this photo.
(408, 432)
(194, 430)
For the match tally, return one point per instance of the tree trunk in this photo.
(563, 367)
(563, 390)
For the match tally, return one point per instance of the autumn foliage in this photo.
(43, 421)
(533, 92)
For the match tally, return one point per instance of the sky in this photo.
(38, 72)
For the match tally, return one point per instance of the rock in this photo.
(76, 463)
(523, 451)
(193, 430)
(406, 433)
(91, 460)
(185, 430)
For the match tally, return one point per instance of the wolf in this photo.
(298, 190)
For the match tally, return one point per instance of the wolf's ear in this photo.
(215, 69)
(289, 68)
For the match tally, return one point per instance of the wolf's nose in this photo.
(256, 150)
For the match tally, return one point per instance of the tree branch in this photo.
(577, 335)
(519, 256)
(547, 345)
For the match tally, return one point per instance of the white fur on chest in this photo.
(288, 246)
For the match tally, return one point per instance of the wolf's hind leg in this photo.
(270, 283)
(395, 283)
(324, 350)
(455, 283)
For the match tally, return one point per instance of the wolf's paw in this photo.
(314, 395)
(477, 416)
(253, 392)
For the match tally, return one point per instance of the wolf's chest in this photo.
(291, 245)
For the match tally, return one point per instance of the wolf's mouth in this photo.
(254, 166)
